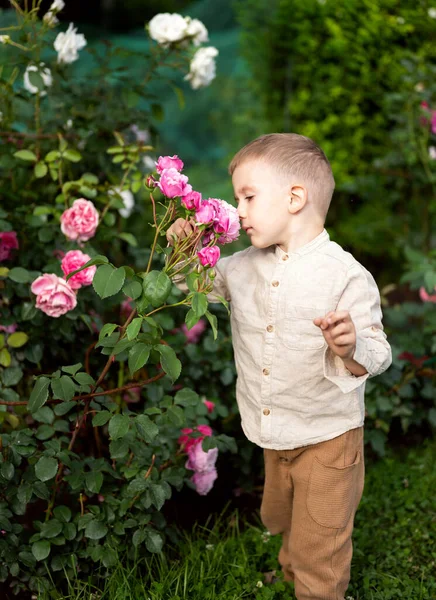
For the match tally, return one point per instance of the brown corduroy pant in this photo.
(311, 495)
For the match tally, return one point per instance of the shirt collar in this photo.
(306, 249)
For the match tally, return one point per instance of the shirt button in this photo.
(270, 328)
(265, 371)
(266, 411)
(374, 328)
(285, 257)
(275, 283)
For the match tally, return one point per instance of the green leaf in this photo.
(51, 528)
(52, 156)
(63, 388)
(199, 304)
(146, 428)
(46, 468)
(191, 319)
(39, 394)
(129, 238)
(95, 530)
(170, 363)
(157, 495)
(44, 415)
(5, 357)
(71, 369)
(69, 531)
(94, 481)
(213, 322)
(20, 275)
(12, 376)
(27, 155)
(118, 426)
(7, 470)
(153, 541)
(64, 407)
(72, 155)
(41, 549)
(187, 397)
(107, 329)
(138, 356)
(84, 379)
(133, 289)
(138, 537)
(101, 418)
(108, 281)
(40, 170)
(134, 328)
(176, 415)
(63, 513)
(157, 287)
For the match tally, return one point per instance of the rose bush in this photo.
(90, 411)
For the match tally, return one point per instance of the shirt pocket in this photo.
(299, 332)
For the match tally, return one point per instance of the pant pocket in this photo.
(331, 493)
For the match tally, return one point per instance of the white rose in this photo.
(57, 5)
(432, 13)
(50, 17)
(67, 45)
(167, 28)
(128, 199)
(197, 31)
(4, 39)
(149, 163)
(45, 74)
(432, 152)
(202, 68)
(142, 135)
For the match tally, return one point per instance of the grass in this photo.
(394, 549)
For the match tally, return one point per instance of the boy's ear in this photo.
(297, 198)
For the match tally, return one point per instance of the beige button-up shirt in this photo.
(291, 389)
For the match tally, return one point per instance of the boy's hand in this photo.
(339, 333)
(180, 229)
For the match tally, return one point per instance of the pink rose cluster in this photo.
(80, 222)
(54, 295)
(199, 461)
(217, 219)
(429, 118)
(8, 242)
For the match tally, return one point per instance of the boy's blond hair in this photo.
(297, 159)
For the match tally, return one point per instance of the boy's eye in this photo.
(249, 198)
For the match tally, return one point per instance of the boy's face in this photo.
(263, 199)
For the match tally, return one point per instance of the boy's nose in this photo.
(241, 211)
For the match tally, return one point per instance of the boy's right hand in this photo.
(180, 229)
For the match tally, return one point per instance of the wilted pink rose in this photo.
(227, 223)
(209, 256)
(168, 162)
(80, 222)
(186, 441)
(132, 395)
(199, 460)
(206, 213)
(73, 260)
(192, 201)
(425, 296)
(209, 405)
(173, 184)
(54, 295)
(193, 335)
(9, 328)
(8, 242)
(204, 481)
(59, 254)
(126, 308)
(207, 238)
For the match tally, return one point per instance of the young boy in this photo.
(307, 333)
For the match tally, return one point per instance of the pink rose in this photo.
(80, 222)
(433, 121)
(209, 405)
(425, 296)
(173, 184)
(193, 335)
(227, 223)
(204, 481)
(73, 260)
(209, 256)
(168, 162)
(8, 242)
(54, 295)
(132, 395)
(206, 213)
(9, 328)
(186, 441)
(192, 201)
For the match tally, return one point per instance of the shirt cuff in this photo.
(336, 372)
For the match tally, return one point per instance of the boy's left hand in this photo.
(339, 333)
